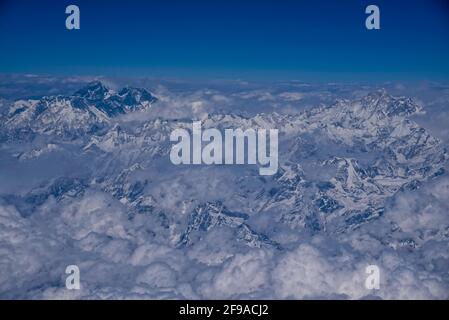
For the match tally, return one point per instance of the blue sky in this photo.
(318, 39)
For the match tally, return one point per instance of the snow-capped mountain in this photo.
(124, 101)
(87, 111)
(369, 148)
(340, 168)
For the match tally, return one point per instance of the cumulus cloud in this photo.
(245, 275)
(113, 254)
(291, 96)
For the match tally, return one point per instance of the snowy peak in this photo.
(133, 96)
(381, 101)
(111, 103)
(93, 91)
(130, 99)
(86, 111)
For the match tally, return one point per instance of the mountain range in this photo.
(340, 168)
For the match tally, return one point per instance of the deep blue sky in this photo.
(320, 39)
